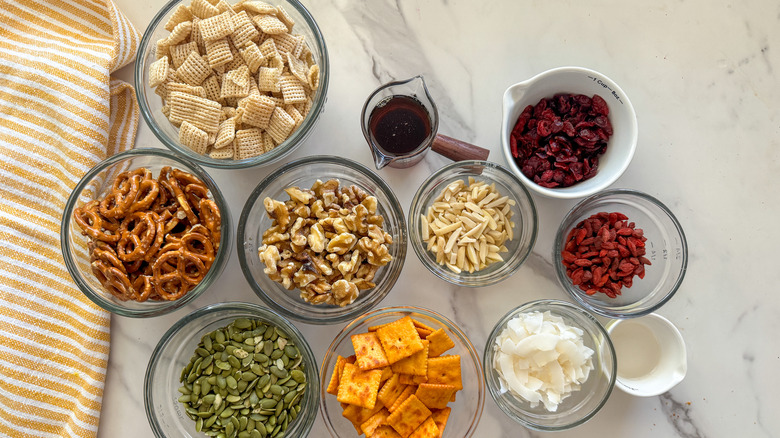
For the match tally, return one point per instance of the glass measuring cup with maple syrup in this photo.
(399, 123)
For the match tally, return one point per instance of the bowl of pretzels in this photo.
(145, 232)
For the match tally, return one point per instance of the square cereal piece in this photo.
(194, 138)
(292, 89)
(384, 431)
(268, 143)
(216, 27)
(259, 7)
(185, 88)
(405, 394)
(194, 69)
(435, 396)
(440, 342)
(280, 126)
(441, 416)
(285, 18)
(212, 87)
(158, 72)
(203, 9)
(235, 83)
(390, 391)
(416, 364)
(409, 416)
(180, 15)
(225, 7)
(180, 52)
(253, 57)
(222, 154)
(369, 426)
(268, 79)
(369, 351)
(314, 76)
(226, 133)
(333, 385)
(270, 24)
(201, 112)
(358, 415)
(268, 48)
(445, 370)
(399, 339)
(249, 143)
(358, 387)
(286, 43)
(258, 111)
(298, 68)
(218, 52)
(180, 33)
(426, 430)
(244, 31)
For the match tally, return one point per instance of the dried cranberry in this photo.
(557, 142)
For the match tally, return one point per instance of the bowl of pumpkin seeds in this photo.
(233, 370)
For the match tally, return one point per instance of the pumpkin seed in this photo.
(244, 380)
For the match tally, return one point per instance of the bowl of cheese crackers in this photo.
(232, 84)
(401, 372)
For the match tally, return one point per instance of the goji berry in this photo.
(604, 253)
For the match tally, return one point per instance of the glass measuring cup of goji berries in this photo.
(400, 123)
(630, 259)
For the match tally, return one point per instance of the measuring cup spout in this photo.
(380, 160)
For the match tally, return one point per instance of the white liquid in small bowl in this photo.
(651, 356)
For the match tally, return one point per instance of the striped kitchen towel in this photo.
(60, 114)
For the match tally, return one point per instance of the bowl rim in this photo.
(408, 310)
(600, 310)
(298, 136)
(507, 125)
(262, 313)
(220, 260)
(394, 206)
(558, 304)
(470, 280)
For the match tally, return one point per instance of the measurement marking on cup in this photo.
(613, 93)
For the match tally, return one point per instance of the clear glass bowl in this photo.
(176, 347)
(94, 185)
(467, 408)
(151, 104)
(666, 248)
(579, 406)
(303, 173)
(507, 184)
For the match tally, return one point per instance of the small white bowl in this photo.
(651, 355)
(575, 80)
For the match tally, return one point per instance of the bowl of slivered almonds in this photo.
(472, 223)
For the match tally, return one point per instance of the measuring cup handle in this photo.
(457, 150)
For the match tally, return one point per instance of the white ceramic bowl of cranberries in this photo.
(577, 135)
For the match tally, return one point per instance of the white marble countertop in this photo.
(702, 76)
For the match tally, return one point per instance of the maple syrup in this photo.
(400, 124)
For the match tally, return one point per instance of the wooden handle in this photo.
(457, 150)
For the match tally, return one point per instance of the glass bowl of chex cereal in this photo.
(401, 371)
(232, 84)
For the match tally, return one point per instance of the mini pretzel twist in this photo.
(151, 239)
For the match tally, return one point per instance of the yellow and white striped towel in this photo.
(60, 114)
